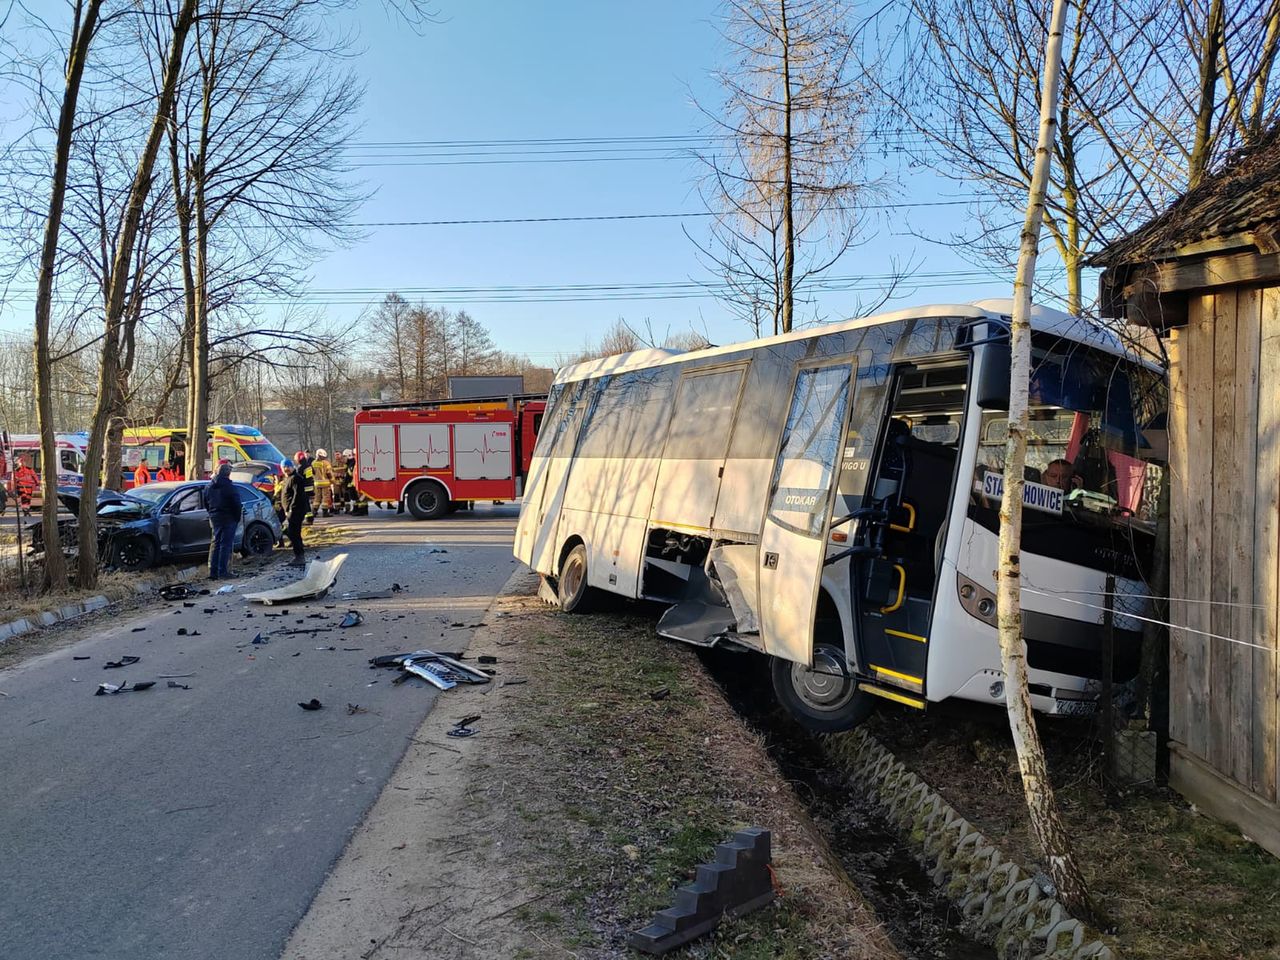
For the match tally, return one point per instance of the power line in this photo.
(589, 218)
(594, 293)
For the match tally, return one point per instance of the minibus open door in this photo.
(793, 539)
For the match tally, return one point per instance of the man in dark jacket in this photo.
(222, 500)
(296, 505)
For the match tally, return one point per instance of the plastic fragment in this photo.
(312, 704)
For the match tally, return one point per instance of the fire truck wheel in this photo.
(427, 501)
(571, 586)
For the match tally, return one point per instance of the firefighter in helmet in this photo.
(323, 470)
(25, 481)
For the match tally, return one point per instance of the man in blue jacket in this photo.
(223, 503)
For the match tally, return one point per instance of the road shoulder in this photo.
(605, 767)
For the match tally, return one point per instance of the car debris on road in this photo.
(438, 669)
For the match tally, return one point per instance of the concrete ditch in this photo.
(1001, 901)
(47, 618)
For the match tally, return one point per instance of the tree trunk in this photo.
(84, 25)
(113, 454)
(198, 425)
(1041, 806)
(117, 284)
(788, 213)
(1210, 49)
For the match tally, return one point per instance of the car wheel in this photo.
(823, 698)
(258, 541)
(571, 586)
(427, 501)
(135, 553)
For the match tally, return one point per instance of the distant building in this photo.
(466, 388)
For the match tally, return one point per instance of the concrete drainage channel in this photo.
(17, 628)
(940, 887)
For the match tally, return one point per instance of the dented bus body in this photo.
(830, 498)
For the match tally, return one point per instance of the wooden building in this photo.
(1205, 275)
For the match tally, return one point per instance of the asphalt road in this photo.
(200, 823)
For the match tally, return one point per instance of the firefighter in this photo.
(357, 501)
(277, 501)
(339, 470)
(324, 481)
(25, 482)
(141, 475)
(306, 472)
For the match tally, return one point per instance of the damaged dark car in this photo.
(164, 521)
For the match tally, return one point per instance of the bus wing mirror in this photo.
(991, 391)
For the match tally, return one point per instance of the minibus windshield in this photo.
(1094, 457)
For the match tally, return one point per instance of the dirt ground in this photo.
(605, 767)
(1174, 884)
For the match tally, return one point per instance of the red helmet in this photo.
(299, 455)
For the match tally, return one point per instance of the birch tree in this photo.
(784, 184)
(1046, 823)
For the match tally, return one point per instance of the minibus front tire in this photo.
(571, 586)
(825, 699)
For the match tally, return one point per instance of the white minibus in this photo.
(830, 498)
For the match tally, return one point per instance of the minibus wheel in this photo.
(823, 698)
(571, 586)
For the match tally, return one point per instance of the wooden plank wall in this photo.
(1225, 536)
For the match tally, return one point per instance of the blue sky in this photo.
(505, 70)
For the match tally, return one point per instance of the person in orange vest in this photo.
(141, 475)
(25, 482)
(169, 471)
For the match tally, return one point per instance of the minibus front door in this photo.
(793, 538)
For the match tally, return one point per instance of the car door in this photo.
(188, 521)
(793, 538)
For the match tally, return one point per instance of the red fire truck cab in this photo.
(438, 455)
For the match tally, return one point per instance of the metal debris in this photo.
(110, 688)
(438, 669)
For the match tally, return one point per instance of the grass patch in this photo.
(642, 770)
(1177, 885)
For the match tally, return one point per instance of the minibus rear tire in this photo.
(824, 708)
(571, 586)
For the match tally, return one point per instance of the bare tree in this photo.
(121, 275)
(1153, 93)
(1046, 823)
(84, 26)
(784, 184)
(255, 149)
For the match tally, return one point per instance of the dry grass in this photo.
(1176, 885)
(632, 793)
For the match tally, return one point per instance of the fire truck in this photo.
(436, 456)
